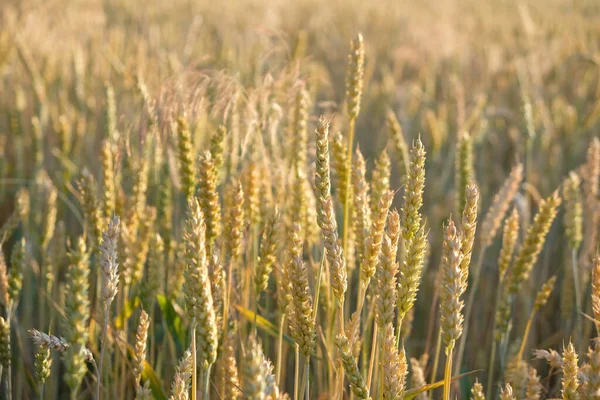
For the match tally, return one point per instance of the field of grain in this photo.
(271, 200)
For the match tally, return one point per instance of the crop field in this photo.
(269, 199)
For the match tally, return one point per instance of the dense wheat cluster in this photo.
(272, 200)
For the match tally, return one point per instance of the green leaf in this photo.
(173, 321)
(262, 323)
(148, 374)
(412, 393)
(128, 309)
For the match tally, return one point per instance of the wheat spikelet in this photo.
(77, 309)
(185, 155)
(302, 325)
(268, 248)
(197, 285)
(361, 213)
(516, 375)
(230, 381)
(181, 380)
(43, 364)
(48, 341)
(468, 228)
(534, 240)
(93, 217)
(544, 293)
(217, 147)
(413, 193)
(410, 272)
(477, 391)
(573, 210)
(380, 179)
(141, 338)
(400, 146)
(373, 244)
(354, 76)
(109, 260)
(340, 164)
(493, 218)
(234, 220)
(357, 382)
(386, 273)
(570, 369)
(394, 366)
(254, 381)
(465, 176)
(453, 285)
(209, 197)
(506, 393)
(509, 242)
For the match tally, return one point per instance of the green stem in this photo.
(102, 349)
(579, 324)
(448, 372)
(436, 359)
(372, 356)
(194, 370)
(207, 383)
(280, 348)
(526, 334)
(297, 372)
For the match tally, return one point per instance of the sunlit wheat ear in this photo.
(468, 228)
(477, 391)
(217, 148)
(570, 370)
(267, 252)
(209, 197)
(464, 175)
(340, 164)
(89, 195)
(229, 369)
(354, 76)
(302, 322)
(234, 220)
(399, 143)
(109, 260)
(254, 372)
(380, 179)
(181, 381)
(452, 287)
(533, 242)
(43, 364)
(413, 193)
(18, 264)
(495, 214)
(373, 244)
(357, 382)
(509, 242)
(386, 273)
(393, 365)
(141, 338)
(197, 286)
(573, 210)
(361, 214)
(77, 310)
(185, 155)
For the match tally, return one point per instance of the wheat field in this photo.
(273, 200)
